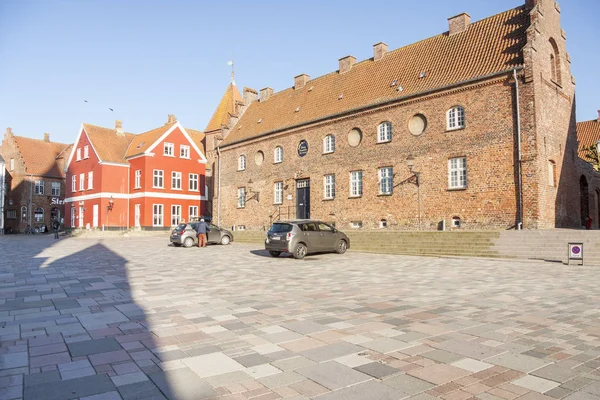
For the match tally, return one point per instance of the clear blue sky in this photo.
(146, 59)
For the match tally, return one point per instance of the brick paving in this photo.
(134, 318)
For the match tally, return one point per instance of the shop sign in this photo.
(55, 201)
(302, 148)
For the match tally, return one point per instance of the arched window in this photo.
(278, 155)
(455, 118)
(551, 173)
(555, 62)
(584, 198)
(38, 215)
(384, 132)
(329, 144)
(242, 163)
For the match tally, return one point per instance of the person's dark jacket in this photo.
(202, 227)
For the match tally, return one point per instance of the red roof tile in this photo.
(225, 109)
(40, 156)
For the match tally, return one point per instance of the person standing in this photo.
(55, 227)
(588, 223)
(202, 230)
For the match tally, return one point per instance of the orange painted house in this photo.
(120, 180)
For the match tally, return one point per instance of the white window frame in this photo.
(457, 173)
(169, 149)
(138, 179)
(78, 154)
(175, 214)
(73, 211)
(55, 189)
(81, 182)
(74, 183)
(455, 118)
(158, 174)
(36, 213)
(176, 180)
(192, 212)
(329, 186)
(356, 187)
(184, 151)
(278, 155)
(241, 162)
(157, 215)
(90, 180)
(384, 132)
(329, 144)
(39, 187)
(86, 151)
(241, 197)
(278, 193)
(193, 182)
(386, 180)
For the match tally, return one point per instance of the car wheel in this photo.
(188, 242)
(300, 251)
(341, 247)
(225, 240)
(274, 253)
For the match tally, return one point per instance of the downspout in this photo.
(128, 191)
(519, 155)
(219, 187)
(30, 199)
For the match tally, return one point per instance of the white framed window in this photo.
(138, 179)
(157, 215)
(329, 186)
(193, 214)
(157, 179)
(38, 215)
(278, 193)
(356, 224)
(457, 173)
(278, 155)
(356, 184)
(184, 151)
(176, 180)
(384, 132)
(73, 217)
(39, 187)
(551, 173)
(455, 118)
(193, 182)
(329, 144)
(90, 180)
(169, 149)
(81, 181)
(78, 154)
(242, 163)
(175, 215)
(73, 183)
(241, 197)
(386, 180)
(12, 164)
(55, 188)
(86, 151)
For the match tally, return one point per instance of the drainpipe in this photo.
(30, 199)
(219, 187)
(519, 155)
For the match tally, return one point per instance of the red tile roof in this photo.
(40, 156)
(225, 109)
(588, 133)
(488, 46)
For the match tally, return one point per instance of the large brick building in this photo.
(35, 187)
(484, 114)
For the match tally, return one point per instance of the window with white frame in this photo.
(73, 217)
(23, 213)
(193, 184)
(73, 183)
(78, 154)
(457, 173)
(329, 186)
(86, 151)
(38, 215)
(241, 197)
(157, 215)
(55, 188)
(278, 193)
(386, 180)
(81, 181)
(329, 144)
(242, 163)
(157, 180)
(278, 155)
(138, 179)
(176, 180)
(169, 149)
(184, 151)
(356, 184)
(455, 118)
(90, 180)
(193, 213)
(175, 215)
(12, 164)
(39, 187)
(384, 133)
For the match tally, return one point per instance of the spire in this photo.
(231, 63)
(225, 108)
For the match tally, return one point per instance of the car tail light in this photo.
(289, 236)
(181, 232)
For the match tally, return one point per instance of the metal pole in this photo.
(219, 187)
(519, 155)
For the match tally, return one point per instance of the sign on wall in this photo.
(575, 252)
(56, 201)
(302, 148)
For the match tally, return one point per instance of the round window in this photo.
(417, 124)
(259, 157)
(354, 137)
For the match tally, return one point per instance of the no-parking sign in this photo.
(575, 252)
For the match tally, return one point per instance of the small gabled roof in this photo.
(225, 109)
(588, 133)
(109, 146)
(40, 156)
(142, 142)
(197, 137)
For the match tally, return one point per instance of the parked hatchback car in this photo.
(301, 237)
(185, 235)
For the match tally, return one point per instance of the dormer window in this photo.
(278, 155)
(242, 163)
(455, 118)
(384, 133)
(169, 149)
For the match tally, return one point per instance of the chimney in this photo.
(171, 119)
(346, 63)
(8, 132)
(459, 23)
(379, 51)
(598, 120)
(300, 81)
(265, 93)
(529, 4)
(250, 95)
(47, 137)
(119, 128)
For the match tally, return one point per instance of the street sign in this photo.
(575, 252)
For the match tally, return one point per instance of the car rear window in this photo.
(281, 228)
(181, 226)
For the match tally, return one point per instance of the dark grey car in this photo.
(185, 235)
(301, 237)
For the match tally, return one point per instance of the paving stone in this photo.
(141, 391)
(251, 360)
(377, 370)
(260, 371)
(182, 384)
(14, 360)
(333, 375)
(442, 356)
(331, 351)
(109, 357)
(469, 349)
(101, 319)
(408, 384)
(517, 362)
(471, 365)
(72, 388)
(104, 396)
(283, 379)
(212, 364)
(555, 373)
(305, 327)
(367, 390)
(386, 345)
(87, 347)
(439, 373)
(536, 384)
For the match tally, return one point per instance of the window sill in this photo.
(277, 204)
(185, 158)
(277, 162)
(460, 128)
(328, 152)
(329, 199)
(193, 190)
(355, 197)
(137, 188)
(178, 189)
(457, 189)
(169, 155)
(385, 194)
(384, 141)
(155, 187)
(241, 170)
(240, 208)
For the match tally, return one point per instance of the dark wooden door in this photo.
(303, 199)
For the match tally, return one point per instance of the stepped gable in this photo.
(225, 108)
(488, 46)
(40, 156)
(108, 144)
(588, 133)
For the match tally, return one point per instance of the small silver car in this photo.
(301, 237)
(185, 235)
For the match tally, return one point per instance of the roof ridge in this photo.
(40, 140)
